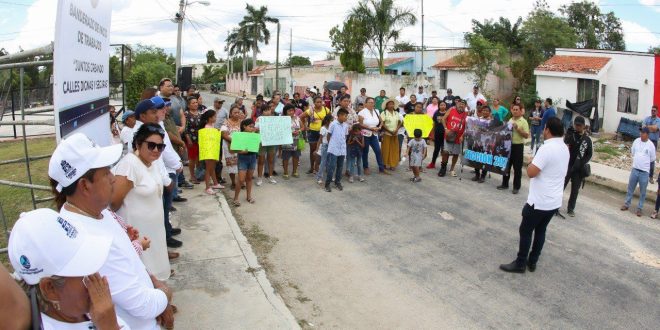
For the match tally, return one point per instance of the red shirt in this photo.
(455, 121)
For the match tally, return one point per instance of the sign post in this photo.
(81, 69)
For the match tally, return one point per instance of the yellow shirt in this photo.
(522, 123)
(316, 118)
(390, 120)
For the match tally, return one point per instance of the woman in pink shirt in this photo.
(432, 107)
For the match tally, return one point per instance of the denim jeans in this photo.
(324, 161)
(354, 164)
(334, 165)
(534, 222)
(641, 177)
(536, 136)
(372, 141)
(167, 205)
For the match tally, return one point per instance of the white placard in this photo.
(81, 87)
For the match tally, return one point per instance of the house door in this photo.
(254, 86)
(602, 104)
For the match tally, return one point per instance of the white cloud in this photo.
(653, 4)
(638, 37)
(147, 22)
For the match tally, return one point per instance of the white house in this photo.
(621, 84)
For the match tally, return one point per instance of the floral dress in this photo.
(192, 125)
(231, 159)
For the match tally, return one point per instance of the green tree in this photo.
(297, 61)
(595, 30)
(239, 43)
(501, 31)
(213, 73)
(483, 57)
(383, 21)
(349, 42)
(654, 50)
(149, 64)
(255, 22)
(210, 57)
(403, 46)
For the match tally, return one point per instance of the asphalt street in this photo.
(390, 253)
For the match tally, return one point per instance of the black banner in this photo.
(71, 119)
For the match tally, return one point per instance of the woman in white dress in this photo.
(137, 196)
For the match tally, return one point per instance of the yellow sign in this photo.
(209, 143)
(421, 121)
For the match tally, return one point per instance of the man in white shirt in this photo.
(471, 100)
(643, 154)
(83, 185)
(421, 95)
(402, 98)
(126, 135)
(546, 189)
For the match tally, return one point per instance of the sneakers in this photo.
(417, 179)
(327, 188)
(453, 174)
(218, 186)
(361, 179)
(639, 212)
(187, 185)
(271, 180)
(350, 180)
(319, 181)
(443, 169)
(624, 207)
(339, 187)
(259, 182)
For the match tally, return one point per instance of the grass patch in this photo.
(17, 200)
(609, 150)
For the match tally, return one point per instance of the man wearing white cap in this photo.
(81, 177)
(59, 262)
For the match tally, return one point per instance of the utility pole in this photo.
(179, 19)
(422, 68)
(290, 62)
(277, 59)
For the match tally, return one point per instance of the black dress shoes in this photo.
(176, 231)
(513, 267)
(531, 266)
(173, 243)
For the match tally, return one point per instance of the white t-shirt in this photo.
(547, 188)
(323, 132)
(126, 137)
(643, 154)
(53, 324)
(472, 99)
(369, 119)
(402, 102)
(136, 301)
(421, 97)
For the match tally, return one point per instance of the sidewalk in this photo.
(212, 287)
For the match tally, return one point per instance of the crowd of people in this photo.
(112, 226)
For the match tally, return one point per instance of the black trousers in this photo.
(534, 222)
(438, 143)
(515, 161)
(576, 181)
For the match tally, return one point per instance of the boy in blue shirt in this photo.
(336, 149)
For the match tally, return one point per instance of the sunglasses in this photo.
(152, 145)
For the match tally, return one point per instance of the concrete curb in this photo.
(259, 274)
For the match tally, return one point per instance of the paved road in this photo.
(393, 254)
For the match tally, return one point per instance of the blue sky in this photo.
(30, 23)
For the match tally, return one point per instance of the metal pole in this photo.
(13, 99)
(25, 148)
(123, 82)
(290, 62)
(277, 59)
(422, 68)
(182, 5)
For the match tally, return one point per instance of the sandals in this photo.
(236, 203)
(251, 200)
(210, 191)
(218, 186)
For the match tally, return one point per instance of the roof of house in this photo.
(327, 63)
(258, 70)
(450, 63)
(387, 62)
(576, 64)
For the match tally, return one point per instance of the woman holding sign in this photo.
(392, 121)
(231, 125)
(313, 118)
(209, 150)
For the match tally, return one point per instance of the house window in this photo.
(586, 89)
(628, 99)
(442, 79)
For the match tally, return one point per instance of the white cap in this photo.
(76, 155)
(313, 90)
(43, 244)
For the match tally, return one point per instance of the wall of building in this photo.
(238, 82)
(431, 57)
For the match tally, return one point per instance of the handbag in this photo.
(586, 170)
(301, 144)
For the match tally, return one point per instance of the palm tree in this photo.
(239, 42)
(384, 21)
(255, 21)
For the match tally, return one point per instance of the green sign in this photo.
(242, 141)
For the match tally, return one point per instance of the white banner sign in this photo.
(81, 69)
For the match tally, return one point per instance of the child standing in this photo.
(322, 147)
(266, 153)
(355, 145)
(416, 154)
(291, 150)
(247, 162)
(209, 146)
(336, 149)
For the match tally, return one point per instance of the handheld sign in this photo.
(275, 131)
(209, 144)
(241, 141)
(421, 121)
